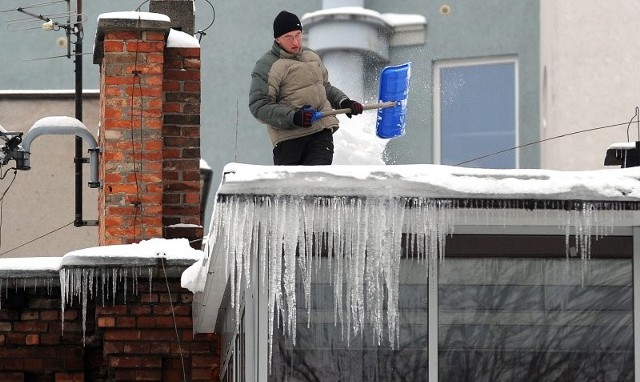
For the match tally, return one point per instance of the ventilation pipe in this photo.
(348, 36)
(344, 33)
(59, 125)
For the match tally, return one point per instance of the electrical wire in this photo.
(235, 157)
(15, 173)
(5, 173)
(540, 141)
(175, 325)
(36, 239)
(631, 120)
(10, 184)
(141, 4)
(203, 32)
(137, 82)
(34, 6)
(4, 193)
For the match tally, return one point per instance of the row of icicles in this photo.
(295, 232)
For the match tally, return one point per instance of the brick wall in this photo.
(144, 341)
(181, 144)
(135, 338)
(149, 134)
(32, 345)
(131, 136)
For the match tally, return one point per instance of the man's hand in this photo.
(356, 107)
(302, 117)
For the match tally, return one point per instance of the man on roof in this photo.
(288, 83)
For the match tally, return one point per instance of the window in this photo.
(509, 308)
(323, 351)
(518, 316)
(475, 113)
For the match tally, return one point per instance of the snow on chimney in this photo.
(149, 130)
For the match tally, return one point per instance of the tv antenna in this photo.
(72, 24)
(48, 17)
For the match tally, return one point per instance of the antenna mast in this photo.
(79, 159)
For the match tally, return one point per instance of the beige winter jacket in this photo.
(282, 82)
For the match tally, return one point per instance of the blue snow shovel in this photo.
(394, 90)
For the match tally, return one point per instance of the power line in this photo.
(33, 6)
(173, 314)
(37, 238)
(635, 116)
(541, 141)
(15, 173)
(203, 32)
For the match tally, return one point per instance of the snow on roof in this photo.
(179, 39)
(342, 11)
(194, 278)
(393, 19)
(432, 181)
(622, 146)
(30, 267)
(133, 15)
(146, 252)
(204, 164)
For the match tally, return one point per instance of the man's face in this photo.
(291, 42)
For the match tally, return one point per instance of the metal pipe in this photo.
(78, 160)
(60, 125)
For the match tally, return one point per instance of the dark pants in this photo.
(312, 150)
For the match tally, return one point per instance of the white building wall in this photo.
(589, 77)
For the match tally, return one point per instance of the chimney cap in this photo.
(181, 12)
(123, 21)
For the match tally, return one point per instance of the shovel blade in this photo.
(394, 86)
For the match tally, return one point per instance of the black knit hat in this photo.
(285, 22)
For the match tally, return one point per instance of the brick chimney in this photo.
(149, 131)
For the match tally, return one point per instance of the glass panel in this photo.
(478, 114)
(504, 319)
(322, 352)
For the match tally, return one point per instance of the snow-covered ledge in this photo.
(432, 181)
(82, 273)
(176, 254)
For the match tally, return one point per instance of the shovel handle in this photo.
(369, 106)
